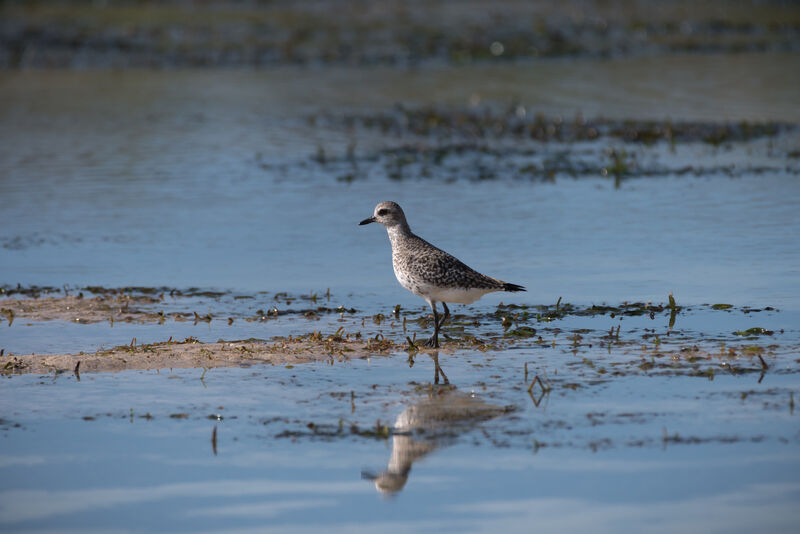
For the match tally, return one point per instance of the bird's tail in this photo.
(512, 287)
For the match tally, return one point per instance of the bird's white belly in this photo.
(454, 294)
(440, 294)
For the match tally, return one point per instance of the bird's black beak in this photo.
(367, 221)
(367, 475)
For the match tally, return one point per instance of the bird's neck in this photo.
(398, 232)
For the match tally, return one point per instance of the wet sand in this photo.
(76, 308)
(190, 353)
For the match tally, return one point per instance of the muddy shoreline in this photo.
(191, 353)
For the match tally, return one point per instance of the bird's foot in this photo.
(432, 342)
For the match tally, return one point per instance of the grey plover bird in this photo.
(429, 272)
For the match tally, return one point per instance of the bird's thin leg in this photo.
(446, 314)
(433, 341)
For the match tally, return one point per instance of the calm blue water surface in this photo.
(204, 180)
(216, 181)
(110, 451)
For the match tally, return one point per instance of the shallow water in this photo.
(384, 443)
(96, 453)
(206, 179)
(692, 326)
(215, 180)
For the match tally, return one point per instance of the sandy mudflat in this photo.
(191, 353)
(80, 309)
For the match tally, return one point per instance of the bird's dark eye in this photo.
(383, 211)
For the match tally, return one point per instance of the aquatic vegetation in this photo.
(497, 142)
(27, 291)
(755, 331)
(523, 331)
(466, 125)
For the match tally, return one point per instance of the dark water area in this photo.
(216, 34)
(251, 184)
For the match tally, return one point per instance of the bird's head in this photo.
(388, 214)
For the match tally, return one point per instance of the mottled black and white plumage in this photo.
(430, 272)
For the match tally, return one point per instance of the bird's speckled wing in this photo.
(426, 264)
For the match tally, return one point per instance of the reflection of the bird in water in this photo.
(434, 421)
